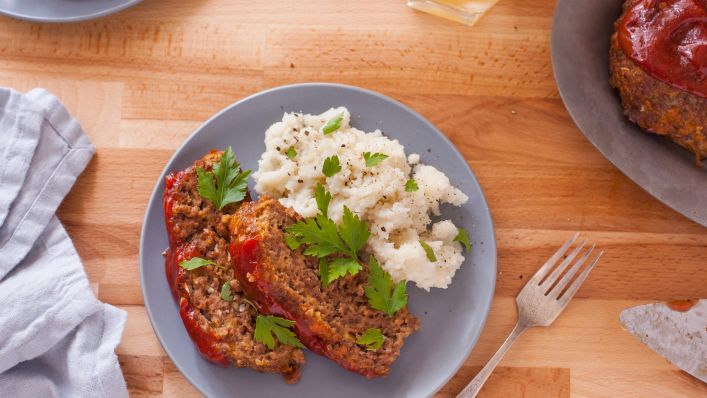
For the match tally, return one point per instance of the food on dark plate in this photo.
(658, 62)
(331, 319)
(211, 302)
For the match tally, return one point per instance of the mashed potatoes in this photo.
(398, 219)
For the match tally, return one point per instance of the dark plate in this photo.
(450, 319)
(580, 61)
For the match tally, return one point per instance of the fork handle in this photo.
(475, 385)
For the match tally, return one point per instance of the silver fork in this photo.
(542, 299)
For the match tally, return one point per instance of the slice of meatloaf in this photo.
(222, 330)
(286, 283)
(657, 106)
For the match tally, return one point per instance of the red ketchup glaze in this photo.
(176, 246)
(204, 341)
(682, 305)
(668, 40)
(177, 252)
(245, 256)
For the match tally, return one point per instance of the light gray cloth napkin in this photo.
(56, 338)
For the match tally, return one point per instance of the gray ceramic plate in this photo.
(451, 319)
(580, 60)
(62, 10)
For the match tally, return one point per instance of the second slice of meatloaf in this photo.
(222, 330)
(285, 283)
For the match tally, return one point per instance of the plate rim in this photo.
(559, 75)
(493, 246)
(59, 20)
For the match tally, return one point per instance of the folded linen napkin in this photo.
(56, 338)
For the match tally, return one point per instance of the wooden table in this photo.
(141, 81)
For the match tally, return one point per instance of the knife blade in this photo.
(676, 330)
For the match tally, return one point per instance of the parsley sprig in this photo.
(463, 238)
(382, 294)
(333, 124)
(197, 262)
(268, 327)
(331, 166)
(373, 159)
(225, 184)
(324, 238)
(371, 339)
(411, 186)
(323, 198)
(226, 292)
(428, 251)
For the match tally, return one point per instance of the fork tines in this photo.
(560, 288)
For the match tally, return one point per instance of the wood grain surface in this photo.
(142, 80)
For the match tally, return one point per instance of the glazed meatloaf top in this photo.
(222, 330)
(285, 283)
(656, 106)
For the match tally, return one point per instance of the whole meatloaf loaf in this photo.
(222, 330)
(285, 283)
(664, 93)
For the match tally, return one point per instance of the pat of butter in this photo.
(464, 11)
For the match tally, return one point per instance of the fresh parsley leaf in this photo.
(381, 293)
(320, 234)
(463, 238)
(371, 339)
(333, 124)
(323, 198)
(224, 184)
(205, 184)
(373, 159)
(267, 326)
(236, 190)
(411, 186)
(400, 296)
(292, 241)
(354, 232)
(339, 267)
(226, 292)
(292, 153)
(331, 166)
(325, 238)
(196, 262)
(428, 250)
(324, 271)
